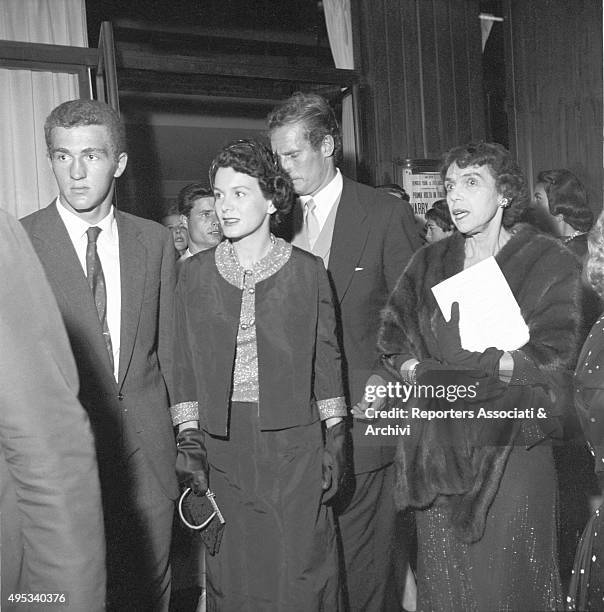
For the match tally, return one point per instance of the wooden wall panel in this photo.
(555, 86)
(394, 58)
(447, 125)
(411, 80)
(422, 63)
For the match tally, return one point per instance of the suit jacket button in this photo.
(120, 397)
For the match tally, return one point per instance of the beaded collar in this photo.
(232, 271)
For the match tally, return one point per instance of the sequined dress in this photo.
(587, 583)
(486, 513)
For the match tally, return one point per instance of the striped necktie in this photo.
(96, 280)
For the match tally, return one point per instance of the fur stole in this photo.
(460, 462)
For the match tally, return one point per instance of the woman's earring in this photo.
(504, 203)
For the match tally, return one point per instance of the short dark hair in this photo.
(509, 179)
(189, 194)
(76, 113)
(396, 190)
(314, 112)
(566, 196)
(439, 213)
(255, 159)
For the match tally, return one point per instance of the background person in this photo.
(178, 229)
(587, 582)
(564, 197)
(395, 190)
(196, 208)
(485, 491)
(439, 224)
(50, 500)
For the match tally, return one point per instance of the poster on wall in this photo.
(420, 178)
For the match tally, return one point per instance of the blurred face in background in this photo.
(179, 231)
(543, 217)
(540, 198)
(202, 225)
(434, 232)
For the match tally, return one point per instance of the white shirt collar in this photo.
(326, 197)
(77, 227)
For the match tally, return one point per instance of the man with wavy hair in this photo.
(365, 237)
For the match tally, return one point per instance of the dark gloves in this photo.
(192, 469)
(449, 341)
(480, 386)
(334, 460)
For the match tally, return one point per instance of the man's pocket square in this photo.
(358, 269)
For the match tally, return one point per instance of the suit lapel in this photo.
(349, 237)
(322, 247)
(67, 277)
(133, 271)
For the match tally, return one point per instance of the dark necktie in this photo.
(96, 280)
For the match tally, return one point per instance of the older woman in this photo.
(257, 361)
(484, 489)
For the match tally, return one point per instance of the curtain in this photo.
(28, 96)
(339, 31)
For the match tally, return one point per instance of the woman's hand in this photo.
(449, 339)
(192, 468)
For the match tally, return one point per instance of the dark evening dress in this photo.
(587, 583)
(486, 514)
(256, 354)
(574, 463)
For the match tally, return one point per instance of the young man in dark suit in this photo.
(365, 238)
(113, 276)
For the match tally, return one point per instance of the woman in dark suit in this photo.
(257, 357)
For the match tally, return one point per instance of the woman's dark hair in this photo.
(566, 196)
(254, 158)
(509, 179)
(439, 213)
